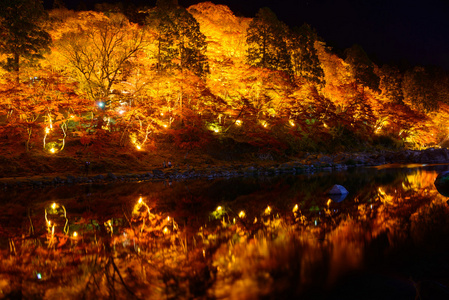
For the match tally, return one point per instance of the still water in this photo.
(241, 238)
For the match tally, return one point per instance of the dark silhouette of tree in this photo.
(362, 67)
(267, 47)
(58, 4)
(391, 84)
(180, 43)
(22, 33)
(419, 91)
(304, 56)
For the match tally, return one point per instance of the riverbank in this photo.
(37, 171)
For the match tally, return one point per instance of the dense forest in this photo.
(201, 75)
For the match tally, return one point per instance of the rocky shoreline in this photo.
(310, 163)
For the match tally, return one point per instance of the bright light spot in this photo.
(121, 112)
(242, 214)
(138, 147)
(52, 150)
(295, 209)
(255, 220)
(325, 125)
(162, 114)
(165, 125)
(72, 117)
(204, 253)
(219, 208)
(75, 234)
(53, 206)
(168, 219)
(233, 220)
(47, 130)
(165, 231)
(140, 200)
(292, 123)
(101, 104)
(238, 122)
(268, 210)
(39, 276)
(216, 130)
(329, 202)
(316, 222)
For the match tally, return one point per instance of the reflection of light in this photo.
(162, 114)
(168, 219)
(295, 209)
(238, 122)
(268, 210)
(292, 123)
(165, 125)
(242, 214)
(140, 200)
(138, 147)
(52, 150)
(75, 234)
(216, 130)
(39, 276)
(165, 231)
(47, 130)
(316, 222)
(329, 202)
(101, 104)
(53, 205)
(219, 208)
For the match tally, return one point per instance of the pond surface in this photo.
(241, 238)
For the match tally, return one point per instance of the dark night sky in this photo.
(390, 31)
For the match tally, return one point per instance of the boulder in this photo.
(70, 179)
(442, 183)
(338, 198)
(111, 176)
(158, 173)
(338, 190)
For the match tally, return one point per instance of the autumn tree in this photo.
(362, 67)
(266, 37)
(391, 84)
(100, 55)
(22, 33)
(304, 55)
(419, 91)
(179, 41)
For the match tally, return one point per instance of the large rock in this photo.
(338, 190)
(338, 198)
(442, 183)
(432, 155)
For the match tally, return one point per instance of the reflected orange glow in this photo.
(254, 248)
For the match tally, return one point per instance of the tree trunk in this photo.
(16, 66)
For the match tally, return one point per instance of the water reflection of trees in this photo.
(206, 240)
